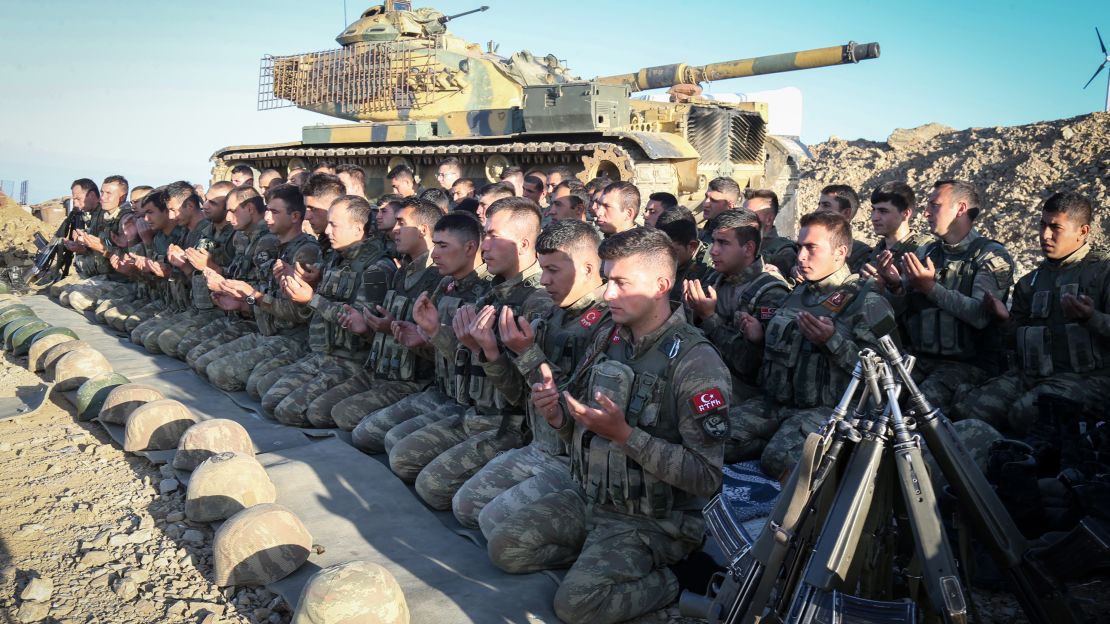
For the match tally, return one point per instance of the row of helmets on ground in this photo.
(260, 541)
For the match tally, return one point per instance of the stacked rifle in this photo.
(857, 533)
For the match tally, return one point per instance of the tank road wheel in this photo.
(610, 161)
(495, 164)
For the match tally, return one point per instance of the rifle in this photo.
(53, 260)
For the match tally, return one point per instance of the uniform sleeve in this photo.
(702, 394)
(1099, 323)
(995, 275)
(854, 333)
(286, 310)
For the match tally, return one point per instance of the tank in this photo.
(413, 94)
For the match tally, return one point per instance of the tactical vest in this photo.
(563, 342)
(1048, 342)
(935, 332)
(795, 371)
(242, 266)
(268, 324)
(750, 295)
(343, 282)
(156, 251)
(448, 367)
(644, 388)
(388, 358)
(92, 264)
(471, 385)
(179, 285)
(218, 244)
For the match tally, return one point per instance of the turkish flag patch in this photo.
(766, 312)
(708, 401)
(589, 318)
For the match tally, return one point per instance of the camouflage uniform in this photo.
(758, 290)
(99, 280)
(519, 477)
(250, 246)
(360, 273)
(392, 372)
(956, 341)
(282, 325)
(442, 455)
(910, 244)
(695, 269)
(780, 252)
(1055, 355)
(139, 302)
(165, 339)
(802, 380)
(642, 501)
(156, 251)
(859, 255)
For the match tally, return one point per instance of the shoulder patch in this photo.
(766, 312)
(592, 316)
(707, 401)
(835, 302)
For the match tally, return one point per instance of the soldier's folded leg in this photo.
(200, 334)
(229, 370)
(238, 345)
(941, 383)
(150, 340)
(785, 448)
(622, 572)
(416, 450)
(171, 338)
(546, 535)
(438, 482)
(359, 383)
(219, 336)
(266, 374)
(354, 408)
(321, 402)
(369, 435)
(300, 372)
(405, 428)
(142, 314)
(990, 402)
(509, 482)
(751, 425)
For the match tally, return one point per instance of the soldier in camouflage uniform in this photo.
(393, 371)
(722, 194)
(456, 241)
(1059, 323)
(214, 249)
(646, 437)
(778, 251)
(252, 241)
(743, 290)
(843, 200)
(692, 253)
(84, 200)
(154, 262)
(385, 218)
(114, 310)
(93, 245)
(892, 208)
(567, 252)
(282, 324)
(356, 270)
(810, 346)
(940, 295)
(442, 455)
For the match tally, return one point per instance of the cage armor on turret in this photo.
(417, 93)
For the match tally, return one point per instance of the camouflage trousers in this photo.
(945, 381)
(546, 535)
(622, 570)
(84, 294)
(298, 391)
(171, 317)
(121, 294)
(203, 339)
(369, 436)
(1009, 401)
(57, 288)
(155, 324)
(266, 374)
(508, 483)
(232, 363)
(362, 394)
(441, 456)
(138, 314)
(171, 337)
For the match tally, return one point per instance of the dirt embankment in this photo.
(1016, 168)
(17, 233)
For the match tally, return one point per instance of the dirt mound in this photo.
(1016, 168)
(17, 233)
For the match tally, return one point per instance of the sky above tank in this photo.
(151, 89)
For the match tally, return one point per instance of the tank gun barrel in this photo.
(680, 73)
(448, 18)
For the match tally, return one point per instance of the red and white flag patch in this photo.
(588, 319)
(705, 402)
(766, 312)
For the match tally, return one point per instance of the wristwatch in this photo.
(251, 300)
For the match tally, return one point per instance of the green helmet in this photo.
(92, 393)
(14, 325)
(21, 339)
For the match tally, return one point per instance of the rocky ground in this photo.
(1016, 168)
(17, 233)
(90, 534)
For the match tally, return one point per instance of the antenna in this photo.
(1105, 60)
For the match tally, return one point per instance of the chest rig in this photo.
(388, 358)
(218, 244)
(451, 296)
(179, 284)
(89, 264)
(795, 371)
(1050, 343)
(365, 276)
(934, 331)
(643, 386)
(471, 385)
(302, 249)
(733, 301)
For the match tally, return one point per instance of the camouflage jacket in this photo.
(219, 244)
(156, 251)
(361, 271)
(448, 297)
(388, 358)
(100, 223)
(780, 252)
(180, 283)
(910, 244)
(277, 314)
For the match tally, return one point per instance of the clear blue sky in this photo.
(150, 89)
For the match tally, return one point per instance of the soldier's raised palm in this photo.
(425, 315)
(516, 333)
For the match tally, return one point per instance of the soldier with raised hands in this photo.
(743, 292)
(567, 252)
(455, 244)
(940, 293)
(1059, 324)
(892, 211)
(646, 421)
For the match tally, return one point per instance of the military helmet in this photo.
(225, 484)
(92, 393)
(21, 339)
(354, 591)
(41, 344)
(15, 325)
(55, 353)
(125, 399)
(76, 367)
(259, 545)
(209, 437)
(157, 426)
(12, 312)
